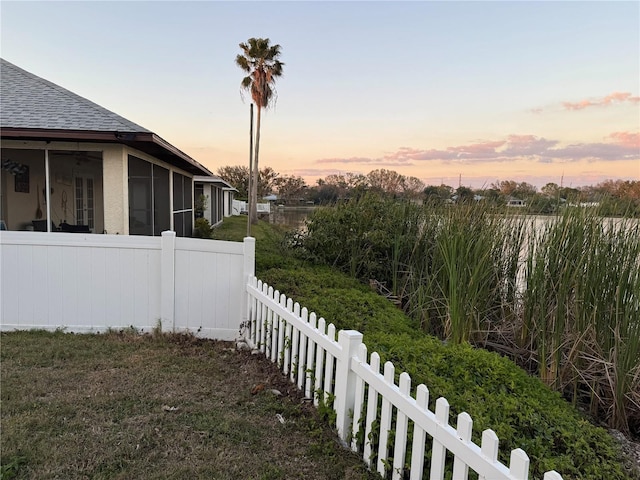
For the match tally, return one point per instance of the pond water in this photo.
(290, 216)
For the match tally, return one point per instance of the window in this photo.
(149, 208)
(182, 205)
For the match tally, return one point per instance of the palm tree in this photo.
(259, 59)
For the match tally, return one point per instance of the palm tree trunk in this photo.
(249, 181)
(256, 170)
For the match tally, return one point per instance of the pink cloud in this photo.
(616, 97)
(613, 98)
(527, 145)
(311, 172)
(477, 150)
(578, 106)
(346, 160)
(406, 154)
(594, 151)
(380, 162)
(627, 139)
(626, 145)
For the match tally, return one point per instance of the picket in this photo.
(310, 358)
(438, 450)
(359, 401)
(286, 368)
(319, 365)
(419, 435)
(464, 428)
(402, 425)
(385, 420)
(302, 353)
(369, 402)
(329, 366)
(372, 407)
(295, 345)
(489, 448)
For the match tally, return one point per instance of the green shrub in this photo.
(497, 394)
(203, 228)
(340, 300)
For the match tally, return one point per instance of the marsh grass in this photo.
(561, 299)
(123, 405)
(581, 307)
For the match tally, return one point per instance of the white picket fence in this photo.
(89, 283)
(306, 349)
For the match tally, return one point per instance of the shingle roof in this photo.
(36, 109)
(28, 101)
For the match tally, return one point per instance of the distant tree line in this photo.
(614, 197)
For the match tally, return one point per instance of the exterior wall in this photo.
(207, 192)
(228, 203)
(220, 205)
(216, 205)
(116, 198)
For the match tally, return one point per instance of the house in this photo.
(217, 197)
(515, 202)
(69, 164)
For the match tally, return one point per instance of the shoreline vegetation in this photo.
(463, 323)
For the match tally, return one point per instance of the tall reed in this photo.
(467, 277)
(581, 312)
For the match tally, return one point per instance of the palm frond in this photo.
(246, 83)
(260, 61)
(243, 63)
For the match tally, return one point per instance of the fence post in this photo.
(167, 280)
(248, 272)
(345, 385)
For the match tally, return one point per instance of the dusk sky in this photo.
(483, 91)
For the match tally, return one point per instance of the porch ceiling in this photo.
(149, 143)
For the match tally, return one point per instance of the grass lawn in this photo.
(127, 406)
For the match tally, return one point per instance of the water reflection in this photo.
(289, 216)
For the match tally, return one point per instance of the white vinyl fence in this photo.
(239, 207)
(305, 348)
(89, 283)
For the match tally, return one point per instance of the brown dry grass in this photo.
(122, 406)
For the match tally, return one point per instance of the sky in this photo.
(468, 93)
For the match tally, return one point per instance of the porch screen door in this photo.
(85, 214)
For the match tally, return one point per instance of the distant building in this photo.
(515, 202)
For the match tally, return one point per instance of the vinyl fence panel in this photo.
(90, 283)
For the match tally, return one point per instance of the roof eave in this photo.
(147, 142)
(213, 180)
